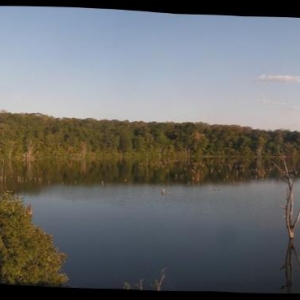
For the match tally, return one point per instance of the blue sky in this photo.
(125, 65)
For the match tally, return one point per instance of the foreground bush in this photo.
(27, 253)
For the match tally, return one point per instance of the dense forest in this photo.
(33, 136)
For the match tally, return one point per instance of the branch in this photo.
(286, 180)
(297, 219)
(287, 176)
(158, 284)
(296, 254)
(278, 168)
(285, 166)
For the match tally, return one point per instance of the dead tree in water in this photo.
(289, 176)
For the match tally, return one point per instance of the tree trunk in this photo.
(289, 210)
(288, 176)
(28, 155)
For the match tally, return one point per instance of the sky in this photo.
(144, 66)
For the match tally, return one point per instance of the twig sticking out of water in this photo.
(156, 285)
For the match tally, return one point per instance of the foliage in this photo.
(27, 253)
(32, 136)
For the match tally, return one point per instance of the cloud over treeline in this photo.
(279, 78)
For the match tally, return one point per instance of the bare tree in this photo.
(10, 146)
(83, 150)
(289, 176)
(29, 154)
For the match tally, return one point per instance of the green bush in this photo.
(27, 253)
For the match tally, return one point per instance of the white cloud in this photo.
(294, 107)
(279, 78)
(273, 102)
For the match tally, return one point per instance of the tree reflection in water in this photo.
(288, 266)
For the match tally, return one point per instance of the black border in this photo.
(240, 8)
(194, 7)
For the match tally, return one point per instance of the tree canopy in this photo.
(27, 253)
(32, 136)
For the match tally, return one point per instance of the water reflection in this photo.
(31, 175)
(170, 220)
(288, 266)
(203, 236)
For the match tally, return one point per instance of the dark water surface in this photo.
(218, 226)
(210, 237)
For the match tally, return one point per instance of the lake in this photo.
(209, 235)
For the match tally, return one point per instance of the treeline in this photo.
(34, 136)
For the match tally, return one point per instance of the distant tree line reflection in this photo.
(16, 175)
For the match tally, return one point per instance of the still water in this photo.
(228, 236)
(217, 227)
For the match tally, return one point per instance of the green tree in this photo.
(27, 253)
